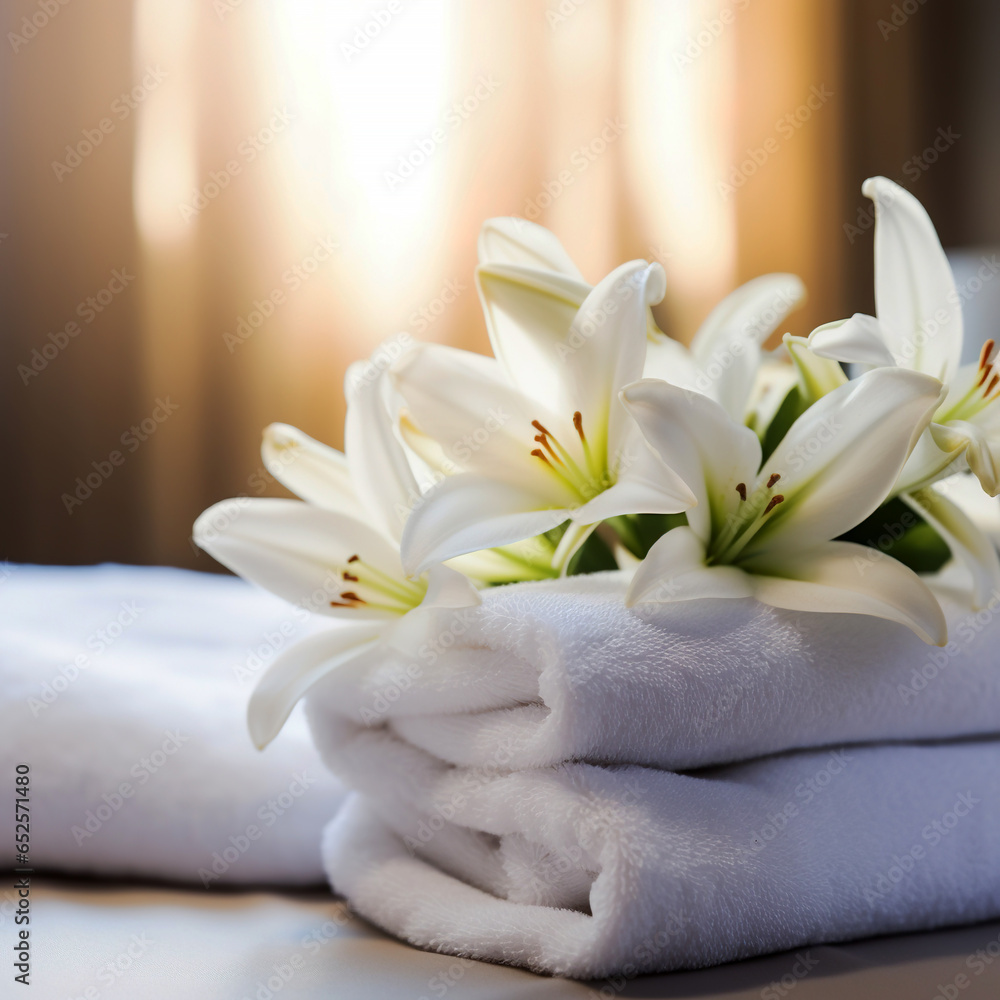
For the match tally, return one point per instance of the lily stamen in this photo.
(544, 442)
(569, 472)
(735, 536)
(383, 592)
(984, 354)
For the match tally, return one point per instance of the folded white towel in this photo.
(124, 689)
(555, 671)
(596, 871)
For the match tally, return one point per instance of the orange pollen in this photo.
(578, 424)
(538, 427)
(354, 559)
(349, 595)
(775, 500)
(348, 576)
(985, 375)
(992, 385)
(544, 442)
(741, 488)
(984, 354)
(538, 453)
(775, 476)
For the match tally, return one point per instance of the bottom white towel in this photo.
(594, 871)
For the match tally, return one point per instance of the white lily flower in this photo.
(919, 327)
(337, 554)
(767, 532)
(532, 282)
(546, 438)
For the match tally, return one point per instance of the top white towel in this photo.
(560, 671)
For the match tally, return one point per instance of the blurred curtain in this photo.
(291, 183)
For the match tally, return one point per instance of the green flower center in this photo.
(749, 517)
(586, 474)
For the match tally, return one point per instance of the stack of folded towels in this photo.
(556, 782)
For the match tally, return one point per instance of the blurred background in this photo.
(209, 208)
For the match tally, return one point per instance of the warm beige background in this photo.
(688, 87)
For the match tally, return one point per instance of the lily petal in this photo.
(606, 348)
(297, 669)
(294, 549)
(834, 471)
(915, 296)
(671, 361)
(858, 340)
(726, 348)
(674, 570)
(380, 471)
(310, 469)
(853, 579)
(817, 375)
(982, 451)
(698, 441)
(509, 240)
(468, 512)
(936, 449)
(528, 316)
(965, 539)
(645, 486)
(464, 402)
(447, 588)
